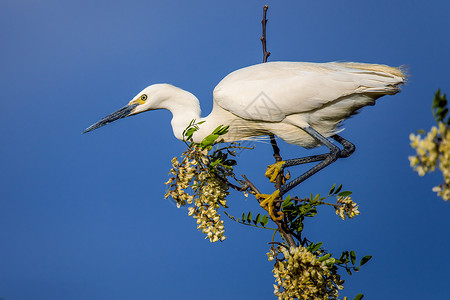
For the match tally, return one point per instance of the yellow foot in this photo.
(268, 204)
(273, 170)
(286, 176)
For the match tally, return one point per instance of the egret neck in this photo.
(183, 105)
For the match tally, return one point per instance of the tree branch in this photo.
(284, 231)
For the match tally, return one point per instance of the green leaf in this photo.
(221, 130)
(345, 194)
(209, 140)
(331, 262)
(439, 106)
(243, 217)
(316, 247)
(353, 257)
(365, 259)
(258, 218)
(249, 217)
(264, 220)
(286, 202)
(338, 189)
(311, 212)
(344, 257)
(358, 297)
(316, 198)
(332, 189)
(356, 269)
(190, 132)
(348, 271)
(214, 163)
(230, 162)
(297, 225)
(325, 257)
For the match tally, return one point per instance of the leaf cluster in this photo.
(190, 130)
(296, 210)
(346, 258)
(259, 221)
(219, 158)
(350, 257)
(440, 107)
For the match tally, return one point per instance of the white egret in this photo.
(302, 103)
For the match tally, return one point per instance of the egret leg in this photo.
(348, 150)
(273, 170)
(325, 159)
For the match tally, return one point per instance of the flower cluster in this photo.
(346, 208)
(206, 206)
(193, 182)
(433, 150)
(302, 275)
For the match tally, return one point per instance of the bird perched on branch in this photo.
(302, 103)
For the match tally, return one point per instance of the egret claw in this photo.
(268, 204)
(286, 176)
(273, 170)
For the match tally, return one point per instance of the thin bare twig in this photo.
(277, 243)
(266, 54)
(251, 185)
(241, 188)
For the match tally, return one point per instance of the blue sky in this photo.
(83, 216)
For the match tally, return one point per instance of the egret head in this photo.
(151, 98)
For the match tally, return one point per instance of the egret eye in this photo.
(143, 97)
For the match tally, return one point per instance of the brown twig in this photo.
(276, 150)
(266, 54)
(241, 188)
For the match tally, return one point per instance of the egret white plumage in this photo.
(305, 103)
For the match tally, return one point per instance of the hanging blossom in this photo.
(433, 150)
(194, 183)
(300, 274)
(346, 208)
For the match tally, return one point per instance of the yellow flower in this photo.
(433, 151)
(299, 274)
(193, 183)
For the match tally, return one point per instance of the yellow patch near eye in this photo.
(138, 101)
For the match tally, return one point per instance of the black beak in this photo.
(121, 113)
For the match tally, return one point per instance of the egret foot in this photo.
(268, 204)
(287, 176)
(273, 170)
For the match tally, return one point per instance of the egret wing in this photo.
(271, 91)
